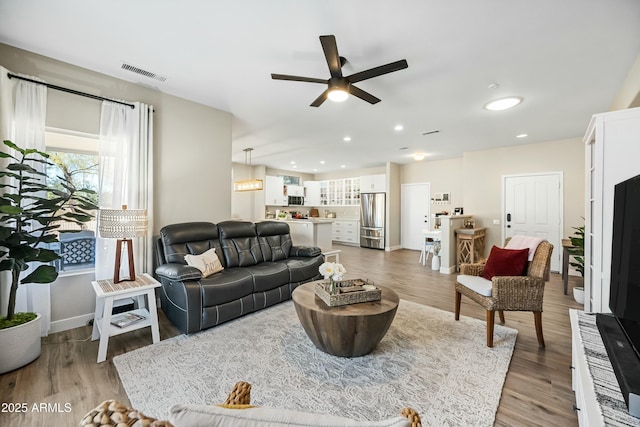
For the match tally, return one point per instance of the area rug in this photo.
(426, 361)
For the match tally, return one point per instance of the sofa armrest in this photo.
(174, 271)
(305, 251)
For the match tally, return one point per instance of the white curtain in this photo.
(126, 178)
(24, 124)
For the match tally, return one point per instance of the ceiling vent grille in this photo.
(142, 72)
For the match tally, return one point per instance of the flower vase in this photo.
(333, 288)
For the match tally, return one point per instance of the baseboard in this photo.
(393, 248)
(448, 270)
(70, 323)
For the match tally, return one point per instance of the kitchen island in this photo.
(311, 232)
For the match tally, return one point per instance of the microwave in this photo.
(295, 200)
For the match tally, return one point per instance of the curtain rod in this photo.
(64, 89)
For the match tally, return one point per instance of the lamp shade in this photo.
(122, 223)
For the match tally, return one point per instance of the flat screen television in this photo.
(621, 332)
(624, 294)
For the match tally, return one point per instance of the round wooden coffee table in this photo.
(347, 330)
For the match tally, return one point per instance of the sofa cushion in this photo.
(268, 275)
(178, 240)
(239, 242)
(275, 240)
(505, 262)
(302, 269)
(214, 416)
(477, 284)
(207, 262)
(228, 285)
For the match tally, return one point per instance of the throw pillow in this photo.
(206, 262)
(505, 262)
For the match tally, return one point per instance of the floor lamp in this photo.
(123, 224)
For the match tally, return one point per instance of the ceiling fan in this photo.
(339, 87)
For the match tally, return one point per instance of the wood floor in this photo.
(65, 382)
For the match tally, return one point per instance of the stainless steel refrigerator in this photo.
(372, 220)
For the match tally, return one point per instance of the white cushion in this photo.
(216, 416)
(476, 283)
(207, 262)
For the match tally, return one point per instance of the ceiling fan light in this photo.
(338, 95)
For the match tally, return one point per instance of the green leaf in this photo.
(45, 255)
(7, 264)
(14, 146)
(10, 210)
(42, 274)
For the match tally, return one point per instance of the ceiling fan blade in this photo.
(319, 100)
(298, 78)
(378, 71)
(363, 95)
(331, 54)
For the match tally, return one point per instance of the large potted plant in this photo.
(31, 210)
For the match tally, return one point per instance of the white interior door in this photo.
(533, 207)
(415, 214)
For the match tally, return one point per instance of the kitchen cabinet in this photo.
(274, 193)
(311, 232)
(346, 231)
(611, 156)
(295, 190)
(340, 192)
(312, 193)
(373, 183)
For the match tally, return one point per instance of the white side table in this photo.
(107, 292)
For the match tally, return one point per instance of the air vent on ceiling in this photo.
(431, 132)
(142, 72)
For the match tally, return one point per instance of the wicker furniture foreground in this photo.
(113, 413)
(348, 330)
(509, 293)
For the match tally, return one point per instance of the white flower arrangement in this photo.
(332, 270)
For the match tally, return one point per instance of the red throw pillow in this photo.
(505, 262)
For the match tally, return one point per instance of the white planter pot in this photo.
(20, 345)
(578, 294)
(435, 262)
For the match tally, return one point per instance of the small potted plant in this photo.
(31, 210)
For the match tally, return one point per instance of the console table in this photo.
(470, 245)
(107, 292)
(599, 401)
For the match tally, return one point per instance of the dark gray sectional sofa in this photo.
(261, 268)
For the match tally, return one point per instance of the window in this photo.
(290, 180)
(76, 156)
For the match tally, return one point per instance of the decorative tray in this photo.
(351, 291)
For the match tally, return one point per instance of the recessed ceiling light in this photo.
(293, 162)
(343, 166)
(346, 139)
(295, 166)
(503, 103)
(418, 156)
(398, 128)
(522, 135)
(322, 162)
(315, 170)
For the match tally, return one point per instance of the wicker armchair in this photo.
(509, 293)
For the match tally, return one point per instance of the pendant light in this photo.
(248, 184)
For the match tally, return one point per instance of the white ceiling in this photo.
(567, 59)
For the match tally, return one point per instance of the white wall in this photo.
(192, 154)
(482, 174)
